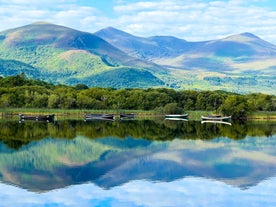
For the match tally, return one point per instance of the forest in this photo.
(21, 92)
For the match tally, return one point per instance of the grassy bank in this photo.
(78, 113)
(71, 113)
(263, 115)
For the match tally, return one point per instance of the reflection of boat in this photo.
(216, 122)
(44, 118)
(127, 116)
(176, 119)
(215, 118)
(176, 116)
(109, 117)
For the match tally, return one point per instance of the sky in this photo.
(192, 20)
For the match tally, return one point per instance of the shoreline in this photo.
(79, 113)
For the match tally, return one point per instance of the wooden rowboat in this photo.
(42, 118)
(176, 116)
(215, 118)
(127, 116)
(109, 117)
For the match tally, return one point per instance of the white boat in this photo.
(177, 117)
(215, 118)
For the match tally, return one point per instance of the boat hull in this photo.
(215, 118)
(176, 116)
(127, 116)
(109, 117)
(42, 118)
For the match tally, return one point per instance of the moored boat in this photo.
(109, 117)
(43, 118)
(215, 118)
(127, 116)
(176, 116)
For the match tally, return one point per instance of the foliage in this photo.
(172, 108)
(236, 105)
(18, 91)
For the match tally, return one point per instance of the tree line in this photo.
(19, 91)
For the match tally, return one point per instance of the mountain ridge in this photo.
(52, 48)
(61, 54)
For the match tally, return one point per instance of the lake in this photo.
(137, 163)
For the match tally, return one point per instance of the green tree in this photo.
(172, 108)
(235, 105)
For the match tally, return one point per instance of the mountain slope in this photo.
(114, 58)
(179, 53)
(145, 48)
(12, 67)
(59, 52)
(195, 65)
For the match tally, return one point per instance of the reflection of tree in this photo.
(17, 134)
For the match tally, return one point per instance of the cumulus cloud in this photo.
(193, 20)
(196, 20)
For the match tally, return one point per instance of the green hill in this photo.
(13, 67)
(62, 55)
(125, 78)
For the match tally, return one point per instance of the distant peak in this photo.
(41, 22)
(248, 34)
(112, 29)
(242, 37)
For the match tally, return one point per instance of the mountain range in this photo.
(112, 58)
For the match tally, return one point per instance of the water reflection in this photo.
(188, 192)
(15, 135)
(41, 156)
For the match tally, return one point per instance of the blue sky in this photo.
(193, 20)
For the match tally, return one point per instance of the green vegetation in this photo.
(65, 56)
(20, 92)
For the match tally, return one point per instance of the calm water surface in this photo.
(137, 163)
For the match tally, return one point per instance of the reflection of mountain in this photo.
(56, 163)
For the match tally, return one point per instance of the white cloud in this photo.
(193, 20)
(196, 20)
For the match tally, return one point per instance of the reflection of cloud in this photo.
(185, 192)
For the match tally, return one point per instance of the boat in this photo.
(109, 117)
(127, 116)
(176, 116)
(42, 118)
(215, 118)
